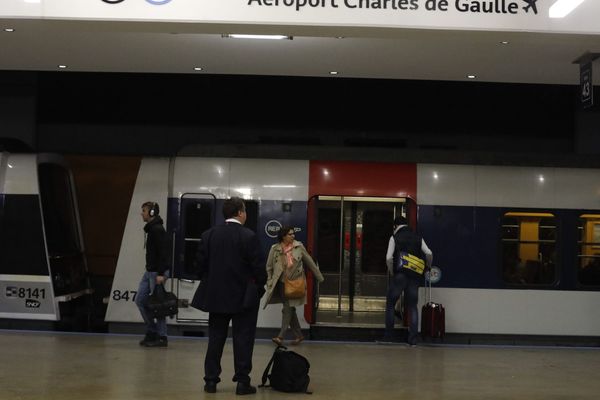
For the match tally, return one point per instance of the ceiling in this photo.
(384, 53)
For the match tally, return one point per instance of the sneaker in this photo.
(162, 341)
(150, 337)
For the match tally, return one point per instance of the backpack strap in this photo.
(265, 374)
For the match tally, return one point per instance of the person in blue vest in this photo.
(407, 258)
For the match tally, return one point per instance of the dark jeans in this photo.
(243, 327)
(410, 286)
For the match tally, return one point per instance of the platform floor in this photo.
(88, 367)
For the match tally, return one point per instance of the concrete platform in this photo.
(47, 365)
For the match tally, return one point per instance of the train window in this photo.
(198, 217)
(589, 250)
(529, 248)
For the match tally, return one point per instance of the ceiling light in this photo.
(62, 66)
(333, 72)
(197, 68)
(9, 29)
(562, 8)
(262, 37)
(32, 1)
(504, 42)
(471, 76)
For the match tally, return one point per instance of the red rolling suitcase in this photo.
(433, 318)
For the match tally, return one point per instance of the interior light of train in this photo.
(197, 68)
(279, 186)
(9, 29)
(333, 72)
(260, 37)
(471, 76)
(505, 42)
(32, 1)
(61, 66)
(244, 190)
(562, 8)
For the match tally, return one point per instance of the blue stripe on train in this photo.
(272, 214)
(466, 244)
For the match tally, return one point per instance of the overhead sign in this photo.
(586, 84)
(498, 15)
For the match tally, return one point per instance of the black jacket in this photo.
(157, 246)
(229, 258)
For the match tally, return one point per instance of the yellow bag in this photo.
(412, 263)
(294, 288)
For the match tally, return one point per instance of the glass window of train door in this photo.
(588, 264)
(251, 215)
(197, 214)
(528, 249)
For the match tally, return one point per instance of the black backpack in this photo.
(289, 373)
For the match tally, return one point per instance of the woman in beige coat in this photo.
(287, 258)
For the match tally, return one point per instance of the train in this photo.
(517, 247)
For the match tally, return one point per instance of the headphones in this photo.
(154, 210)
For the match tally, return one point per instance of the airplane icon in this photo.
(530, 5)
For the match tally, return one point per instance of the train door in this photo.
(350, 240)
(196, 215)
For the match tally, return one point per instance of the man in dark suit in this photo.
(230, 268)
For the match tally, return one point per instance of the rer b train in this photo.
(518, 247)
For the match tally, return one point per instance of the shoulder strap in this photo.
(265, 374)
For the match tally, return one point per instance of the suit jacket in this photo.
(228, 258)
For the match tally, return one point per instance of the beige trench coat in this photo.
(276, 264)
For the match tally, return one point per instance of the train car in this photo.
(518, 247)
(310, 196)
(43, 272)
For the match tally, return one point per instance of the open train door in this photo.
(349, 236)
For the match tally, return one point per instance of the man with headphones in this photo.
(157, 271)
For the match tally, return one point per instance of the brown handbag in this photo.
(294, 288)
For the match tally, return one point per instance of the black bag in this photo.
(161, 303)
(289, 373)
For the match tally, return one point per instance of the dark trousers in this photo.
(243, 331)
(410, 286)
